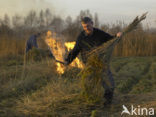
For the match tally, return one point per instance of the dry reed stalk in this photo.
(105, 51)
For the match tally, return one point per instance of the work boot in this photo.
(109, 97)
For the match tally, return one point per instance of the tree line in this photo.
(17, 28)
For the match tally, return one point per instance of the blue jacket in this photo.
(31, 42)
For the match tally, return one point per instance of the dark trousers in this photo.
(108, 84)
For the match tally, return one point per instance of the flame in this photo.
(76, 62)
(69, 45)
(57, 47)
(57, 50)
(60, 68)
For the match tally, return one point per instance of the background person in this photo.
(32, 42)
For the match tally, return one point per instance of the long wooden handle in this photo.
(60, 62)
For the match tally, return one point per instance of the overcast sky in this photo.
(109, 11)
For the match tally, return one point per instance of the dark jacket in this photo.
(31, 42)
(85, 43)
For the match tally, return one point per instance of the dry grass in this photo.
(49, 100)
(10, 47)
(41, 92)
(136, 43)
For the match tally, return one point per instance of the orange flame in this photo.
(69, 45)
(58, 50)
(76, 62)
(60, 68)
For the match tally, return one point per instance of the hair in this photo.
(86, 20)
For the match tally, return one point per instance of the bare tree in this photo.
(17, 21)
(84, 13)
(68, 31)
(31, 19)
(48, 17)
(105, 27)
(68, 21)
(41, 19)
(6, 20)
(57, 23)
(1, 22)
(96, 20)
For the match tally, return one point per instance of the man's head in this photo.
(87, 25)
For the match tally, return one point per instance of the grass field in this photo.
(36, 90)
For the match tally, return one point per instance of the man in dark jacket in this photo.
(88, 39)
(32, 42)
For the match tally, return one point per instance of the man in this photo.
(32, 42)
(88, 39)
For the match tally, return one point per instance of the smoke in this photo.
(22, 7)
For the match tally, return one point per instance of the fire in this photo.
(76, 62)
(60, 68)
(57, 47)
(69, 45)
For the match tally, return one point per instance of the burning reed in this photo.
(59, 49)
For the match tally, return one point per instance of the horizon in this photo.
(109, 12)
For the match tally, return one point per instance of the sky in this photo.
(109, 11)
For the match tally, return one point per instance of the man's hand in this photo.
(119, 34)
